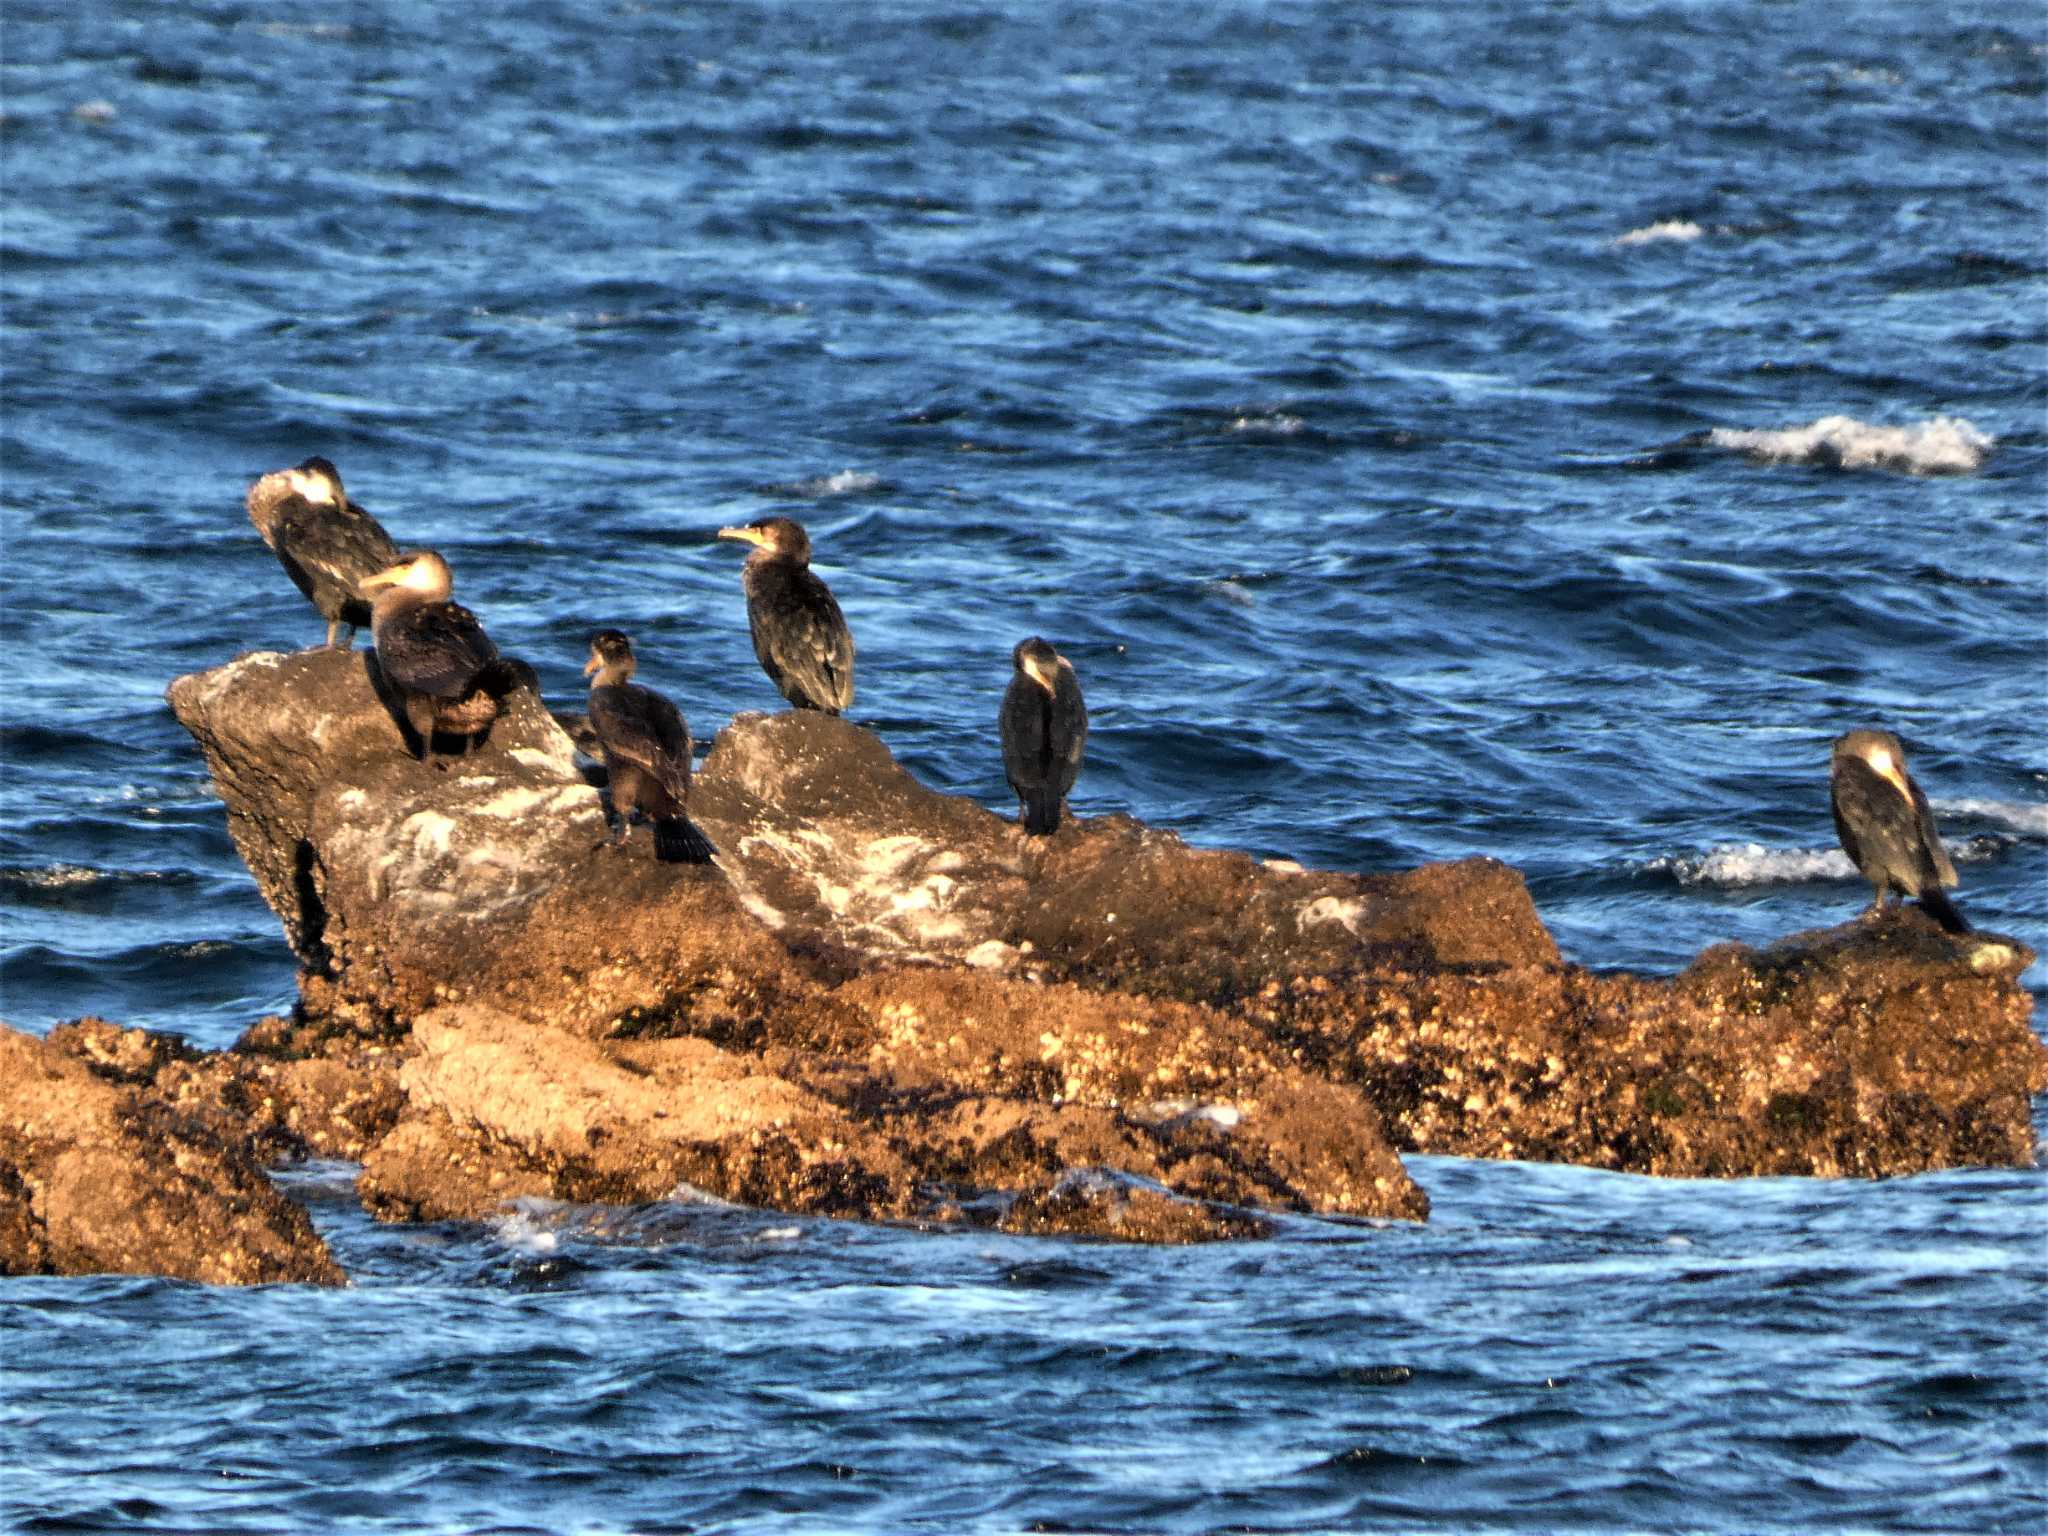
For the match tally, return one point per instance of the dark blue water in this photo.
(1339, 387)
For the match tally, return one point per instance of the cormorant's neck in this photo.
(613, 673)
(396, 600)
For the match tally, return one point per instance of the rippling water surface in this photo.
(1429, 430)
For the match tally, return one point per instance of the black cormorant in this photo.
(325, 542)
(434, 655)
(799, 633)
(1044, 728)
(646, 749)
(1885, 825)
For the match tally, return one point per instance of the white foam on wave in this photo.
(1735, 866)
(848, 482)
(1946, 445)
(2029, 819)
(1746, 864)
(1663, 229)
(1273, 424)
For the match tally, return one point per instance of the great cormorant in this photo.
(326, 543)
(1886, 828)
(646, 749)
(434, 654)
(1044, 728)
(800, 635)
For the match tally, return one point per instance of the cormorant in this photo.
(646, 748)
(1886, 828)
(434, 654)
(800, 635)
(326, 543)
(1044, 727)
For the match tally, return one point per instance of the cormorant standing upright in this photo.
(1044, 727)
(326, 543)
(800, 635)
(646, 749)
(434, 654)
(1886, 827)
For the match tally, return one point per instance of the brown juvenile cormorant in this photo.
(646, 748)
(1886, 828)
(326, 543)
(800, 635)
(434, 654)
(1044, 727)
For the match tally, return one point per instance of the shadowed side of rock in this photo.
(98, 1176)
(1865, 1050)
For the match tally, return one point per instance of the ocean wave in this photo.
(1737, 866)
(1663, 229)
(1946, 445)
(1270, 424)
(847, 482)
(2030, 819)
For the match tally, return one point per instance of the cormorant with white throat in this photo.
(800, 635)
(1886, 827)
(1044, 728)
(326, 543)
(434, 654)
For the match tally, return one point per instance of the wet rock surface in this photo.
(100, 1173)
(886, 1002)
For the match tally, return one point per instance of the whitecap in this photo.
(1946, 445)
(1737, 865)
(1663, 229)
(1275, 424)
(847, 482)
(2027, 818)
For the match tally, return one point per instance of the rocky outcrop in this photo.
(885, 1001)
(100, 1175)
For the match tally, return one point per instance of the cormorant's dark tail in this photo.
(1942, 910)
(677, 841)
(1041, 811)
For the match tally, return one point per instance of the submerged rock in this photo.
(886, 1001)
(99, 1175)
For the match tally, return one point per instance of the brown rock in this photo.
(97, 1178)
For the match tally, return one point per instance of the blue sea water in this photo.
(1400, 415)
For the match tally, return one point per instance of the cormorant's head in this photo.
(318, 481)
(782, 537)
(1880, 752)
(1037, 660)
(611, 654)
(425, 573)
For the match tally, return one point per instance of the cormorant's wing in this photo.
(807, 640)
(344, 547)
(1940, 868)
(1026, 727)
(437, 649)
(637, 725)
(1069, 726)
(1878, 826)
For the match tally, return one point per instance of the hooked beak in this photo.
(595, 664)
(1886, 767)
(1042, 678)
(753, 536)
(387, 578)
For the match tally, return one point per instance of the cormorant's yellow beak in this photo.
(595, 664)
(753, 536)
(388, 578)
(1031, 666)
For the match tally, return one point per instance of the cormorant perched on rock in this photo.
(1886, 828)
(325, 542)
(800, 635)
(646, 748)
(434, 654)
(1044, 727)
